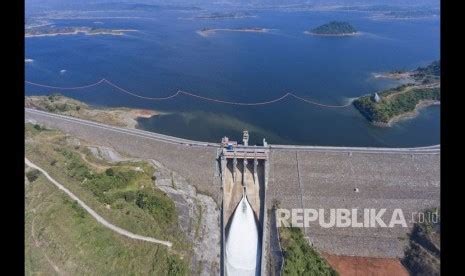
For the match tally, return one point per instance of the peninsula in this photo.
(54, 31)
(427, 74)
(389, 106)
(333, 28)
(56, 103)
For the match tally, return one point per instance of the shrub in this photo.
(53, 97)
(159, 206)
(176, 267)
(38, 127)
(80, 212)
(32, 175)
(110, 172)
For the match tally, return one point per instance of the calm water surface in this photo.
(166, 54)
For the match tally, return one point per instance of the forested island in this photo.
(388, 106)
(334, 28)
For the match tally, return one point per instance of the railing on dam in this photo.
(245, 153)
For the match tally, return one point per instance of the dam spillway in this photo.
(243, 179)
(242, 252)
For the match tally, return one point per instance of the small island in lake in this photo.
(207, 31)
(389, 106)
(220, 15)
(334, 28)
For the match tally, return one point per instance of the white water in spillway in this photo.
(242, 247)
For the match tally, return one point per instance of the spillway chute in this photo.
(242, 243)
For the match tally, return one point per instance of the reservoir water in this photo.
(166, 54)
(242, 253)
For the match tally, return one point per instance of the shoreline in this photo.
(116, 116)
(83, 32)
(409, 115)
(390, 18)
(393, 76)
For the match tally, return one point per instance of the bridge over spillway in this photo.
(296, 176)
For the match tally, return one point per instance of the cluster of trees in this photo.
(334, 28)
(433, 69)
(114, 184)
(397, 104)
(428, 74)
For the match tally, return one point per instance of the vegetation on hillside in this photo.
(428, 74)
(404, 98)
(56, 103)
(299, 257)
(334, 28)
(121, 192)
(394, 102)
(62, 238)
(422, 256)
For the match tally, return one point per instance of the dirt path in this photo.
(100, 219)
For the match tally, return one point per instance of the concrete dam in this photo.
(295, 176)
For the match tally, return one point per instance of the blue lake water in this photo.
(166, 54)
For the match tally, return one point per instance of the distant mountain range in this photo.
(73, 3)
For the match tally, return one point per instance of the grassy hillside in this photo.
(299, 257)
(61, 236)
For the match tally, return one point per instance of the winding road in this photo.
(94, 214)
